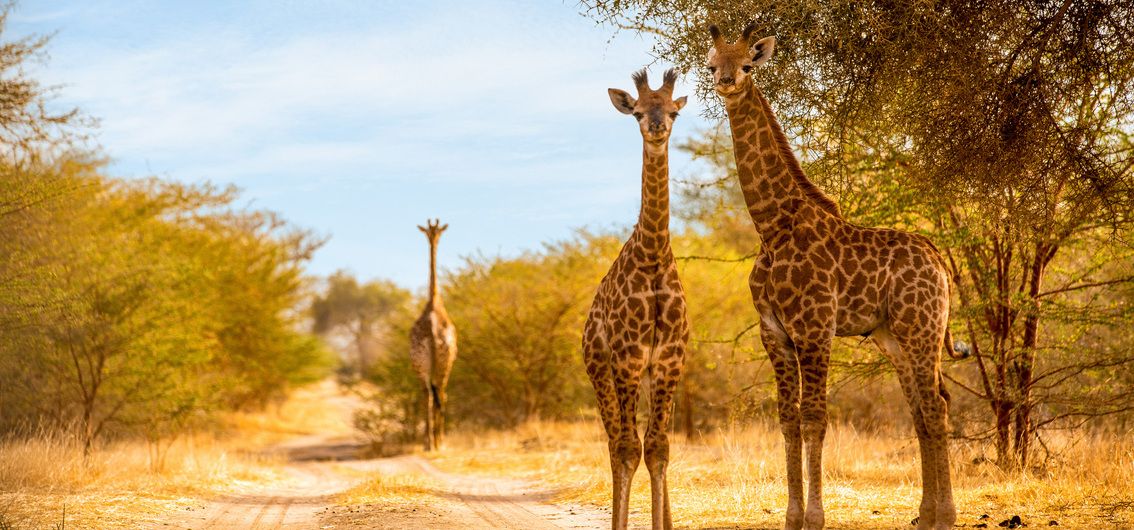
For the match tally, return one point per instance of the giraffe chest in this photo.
(641, 308)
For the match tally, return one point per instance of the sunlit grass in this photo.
(130, 484)
(392, 488)
(736, 478)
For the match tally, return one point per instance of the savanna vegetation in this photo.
(133, 308)
(135, 314)
(1001, 130)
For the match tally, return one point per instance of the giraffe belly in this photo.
(858, 318)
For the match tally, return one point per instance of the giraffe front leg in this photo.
(781, 353)
(813, 363)
(602, 379)
(664, 379)
(626, 450)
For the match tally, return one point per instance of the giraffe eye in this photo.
(713, 69)
(747, 68)
(637, 115)
(673, 115)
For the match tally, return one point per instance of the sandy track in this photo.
(502, 503)
(306, 488)
(318, 468)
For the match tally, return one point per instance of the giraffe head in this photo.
(655, 110)
(732, 63)
(432, 230)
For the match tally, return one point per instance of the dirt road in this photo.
(319, 468)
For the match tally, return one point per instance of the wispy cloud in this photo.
(482, 110)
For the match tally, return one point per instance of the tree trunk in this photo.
(1002, 410)
(687, 410)
(1025, 364)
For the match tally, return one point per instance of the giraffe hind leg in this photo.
(923, 349)
(438, 415)
(428, 389)
(927, 512)
(935, 411)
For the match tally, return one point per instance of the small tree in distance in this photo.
(360, 312)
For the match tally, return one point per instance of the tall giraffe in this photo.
(637, 321)
(817, 277)
(433, 345)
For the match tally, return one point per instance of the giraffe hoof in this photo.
(814, 521)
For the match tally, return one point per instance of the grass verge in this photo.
(736, 478)
(46, 481)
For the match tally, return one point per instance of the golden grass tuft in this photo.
(390, 488)
(131, 484)
(736, 477)
(119, 485)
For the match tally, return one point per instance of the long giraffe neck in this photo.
(434, 296)
(653, 219)
(771, 178)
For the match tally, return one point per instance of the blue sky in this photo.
(359, 120)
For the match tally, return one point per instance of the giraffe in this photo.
(637, 322)
(433, 345)
(818, 276)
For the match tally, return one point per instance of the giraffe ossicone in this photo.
(637, 327)
(818, 276)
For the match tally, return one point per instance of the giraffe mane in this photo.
(809, 189)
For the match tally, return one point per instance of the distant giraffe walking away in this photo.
(637, 322)
(817, 277)
(433, 346)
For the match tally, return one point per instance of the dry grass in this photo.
(735, 478)
(132, 483)
(390, 488)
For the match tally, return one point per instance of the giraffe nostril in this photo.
(726, 80)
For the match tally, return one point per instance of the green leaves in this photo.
(142, 305)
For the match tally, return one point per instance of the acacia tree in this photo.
(521, 323)
(132, 306)
(152, 304)
(1009, 120)
(361, 311)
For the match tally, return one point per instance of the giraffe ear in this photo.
(423, 230)
(443, 227)
(680, 102)
(622, 100)
(762, 50)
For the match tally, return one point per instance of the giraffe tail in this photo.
(956, 350)
(436, 396)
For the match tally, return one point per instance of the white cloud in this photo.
(474, 114)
